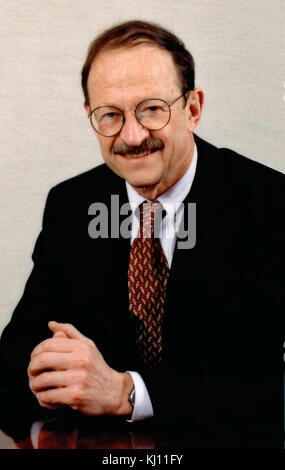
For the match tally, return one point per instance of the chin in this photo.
(142, 183)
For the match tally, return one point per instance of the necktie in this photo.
(147, 281)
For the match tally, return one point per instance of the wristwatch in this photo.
(132, 397)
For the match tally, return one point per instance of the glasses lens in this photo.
(153, 114)
(107, 120)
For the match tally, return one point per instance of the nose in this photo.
(133, 133)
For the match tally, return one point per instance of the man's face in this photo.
(123, 78)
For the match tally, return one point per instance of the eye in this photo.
(153, 110)
(111, 116)
(107, 115)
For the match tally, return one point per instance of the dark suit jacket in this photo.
(221, 381)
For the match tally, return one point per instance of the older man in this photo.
(186, 338)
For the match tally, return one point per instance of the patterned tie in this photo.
(147, 280)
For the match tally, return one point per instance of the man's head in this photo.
(125, 66)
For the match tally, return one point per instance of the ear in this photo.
(87, 108)
(195, 106)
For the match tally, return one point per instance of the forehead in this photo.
(131, 74)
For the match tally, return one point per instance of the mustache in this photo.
(148, 145)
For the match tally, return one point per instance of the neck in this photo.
(152, 192)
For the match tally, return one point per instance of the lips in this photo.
(137, 155)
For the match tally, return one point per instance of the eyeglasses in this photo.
(153, 114)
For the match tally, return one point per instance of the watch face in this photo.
(132, 397)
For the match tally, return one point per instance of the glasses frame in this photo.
(139, 104)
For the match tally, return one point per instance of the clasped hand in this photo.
(68, 369)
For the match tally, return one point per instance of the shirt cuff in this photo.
(143, 407)
(35, 431)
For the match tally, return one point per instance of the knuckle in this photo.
(80, 377)
(91, 342)
(31, 369)
(32, 386)
(83, 347)
(83, 361)
(48, 397)
(77, 394)
(40, 347)
(43, 381)
(68, 327)
(41, 361)
(33, 354)
(45, 345)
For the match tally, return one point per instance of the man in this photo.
(203, 362)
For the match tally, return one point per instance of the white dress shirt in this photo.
(171, 201)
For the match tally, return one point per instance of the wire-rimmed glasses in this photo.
(153, 114)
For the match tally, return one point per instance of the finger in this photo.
(69, 330)
(59, 334)
(53, 345)
(49, 406)
(51, 379)
(54, 397)
(48, 361)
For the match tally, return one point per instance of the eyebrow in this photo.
(118, 107)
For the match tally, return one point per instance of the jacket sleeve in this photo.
(27, 328)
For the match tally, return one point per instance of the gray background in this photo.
(239, 51)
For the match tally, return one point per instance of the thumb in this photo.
(59, 334)
(67, 330)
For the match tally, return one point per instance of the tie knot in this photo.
(150, 219)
